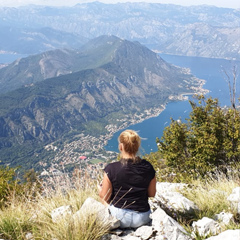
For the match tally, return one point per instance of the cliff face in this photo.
(128, 77)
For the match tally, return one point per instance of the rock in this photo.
(91, 207)
(131, 238)
(206, 226)
(117, 232)
(145, 232)
(110, 237)
(29, 236)
(61, 212)
(167, 226)
(171, 201)
(225, 218)
(128, 233)
(164, 187)
(163, 226)
(175, 202)
(227, 235)
(235, 196)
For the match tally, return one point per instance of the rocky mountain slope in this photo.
(204, 31)
(122, 77)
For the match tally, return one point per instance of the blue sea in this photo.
(208, 69)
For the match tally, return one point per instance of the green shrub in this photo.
(209, 140)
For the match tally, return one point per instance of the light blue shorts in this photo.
(129, 218)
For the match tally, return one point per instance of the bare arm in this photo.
(152, 187)
(105, 191)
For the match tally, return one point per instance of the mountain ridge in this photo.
(132, 80)
(158, 26)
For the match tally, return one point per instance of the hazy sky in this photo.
(219, 3)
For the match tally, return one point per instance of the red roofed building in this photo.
(82, 157)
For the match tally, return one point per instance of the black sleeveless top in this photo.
(130, 183)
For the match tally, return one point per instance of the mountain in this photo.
(36, 40)
(116, 77)
(204, 40)
(29, 70)
(204, 31)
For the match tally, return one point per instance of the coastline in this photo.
(180, 97)
(94, 147)
(86, 144)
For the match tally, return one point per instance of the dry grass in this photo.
(210, 195)
(26, 215)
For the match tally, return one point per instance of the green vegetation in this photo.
(11, 185)
(95, 161)
(208, 141)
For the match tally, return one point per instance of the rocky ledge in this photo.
(167, 203)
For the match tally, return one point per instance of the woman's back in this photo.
(130, 183)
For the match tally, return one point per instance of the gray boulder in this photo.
(62, 212)
(167, 227)
(206, 226)
(234, 198)
(93, 207)
(144, 232)
(224, 218)
(171, 201)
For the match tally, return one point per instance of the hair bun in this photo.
(130, 140)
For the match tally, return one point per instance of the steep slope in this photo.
(128, 78)
(32, 69)
(205, 40)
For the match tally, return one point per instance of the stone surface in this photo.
(145, 232)
(164, 187)
(29, 236)
(170, 200)
(91, 206)
(227, 235)
(224, 218)
(131, 238)
(167, 226)
(176, 201)
(61, 212)
(235, 196)
(206, 226)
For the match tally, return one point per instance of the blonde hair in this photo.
(131, 141)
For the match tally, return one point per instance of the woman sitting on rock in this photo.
(128, 183)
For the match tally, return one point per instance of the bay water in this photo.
(211, 70)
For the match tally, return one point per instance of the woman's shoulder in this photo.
(113, 165)
(147, 164)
